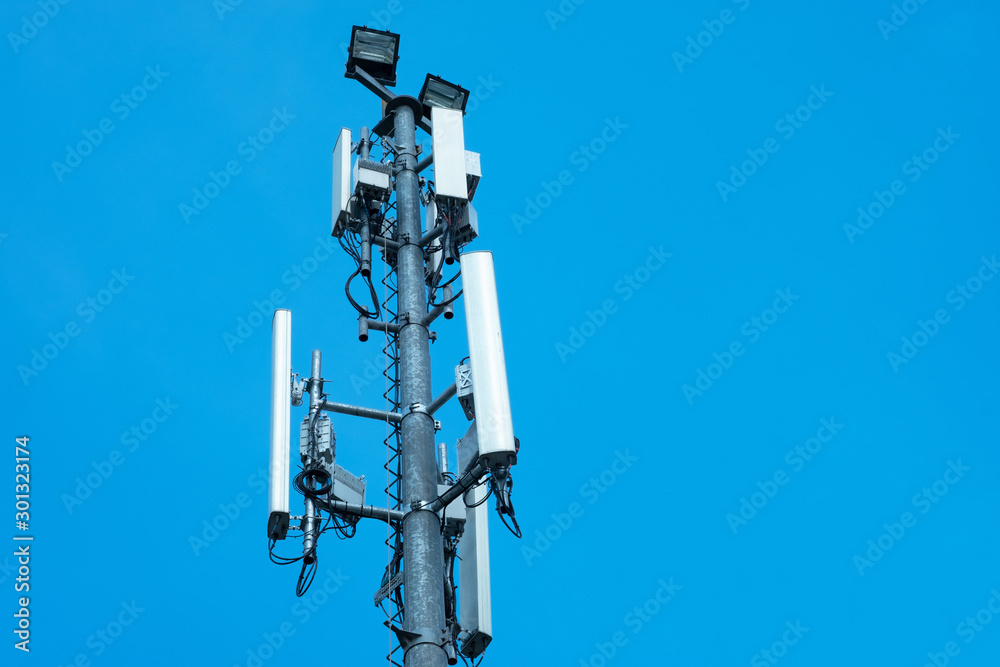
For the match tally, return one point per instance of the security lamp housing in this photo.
(376, 52)
(437, 92)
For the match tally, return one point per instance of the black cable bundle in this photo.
(502, 484)
(447, 246)
(315, 483)
(352, 246)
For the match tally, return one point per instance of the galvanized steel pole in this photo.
(310, 524)
(423, 551)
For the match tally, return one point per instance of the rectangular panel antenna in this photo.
(449, 154)
(489, 371)
(281, 380)
(341, 182)
(475, 613)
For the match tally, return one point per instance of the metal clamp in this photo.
(422, 409)
(416, 407)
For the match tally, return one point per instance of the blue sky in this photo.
(745, 256)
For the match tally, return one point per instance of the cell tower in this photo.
(437, 513)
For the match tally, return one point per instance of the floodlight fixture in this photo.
(440, 93)
(375, 52)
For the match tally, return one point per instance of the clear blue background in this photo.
(554, 84)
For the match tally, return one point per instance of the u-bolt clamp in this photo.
(420, 407)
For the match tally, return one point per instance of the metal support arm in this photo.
(369, 82)
(432, 315)
(442, 398)
(378, 325)
(370, 413)
(383, 242)
(431, 235)
(369, 511)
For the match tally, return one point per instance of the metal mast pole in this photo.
(438, 620)
(310, 524)
(423, 556)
